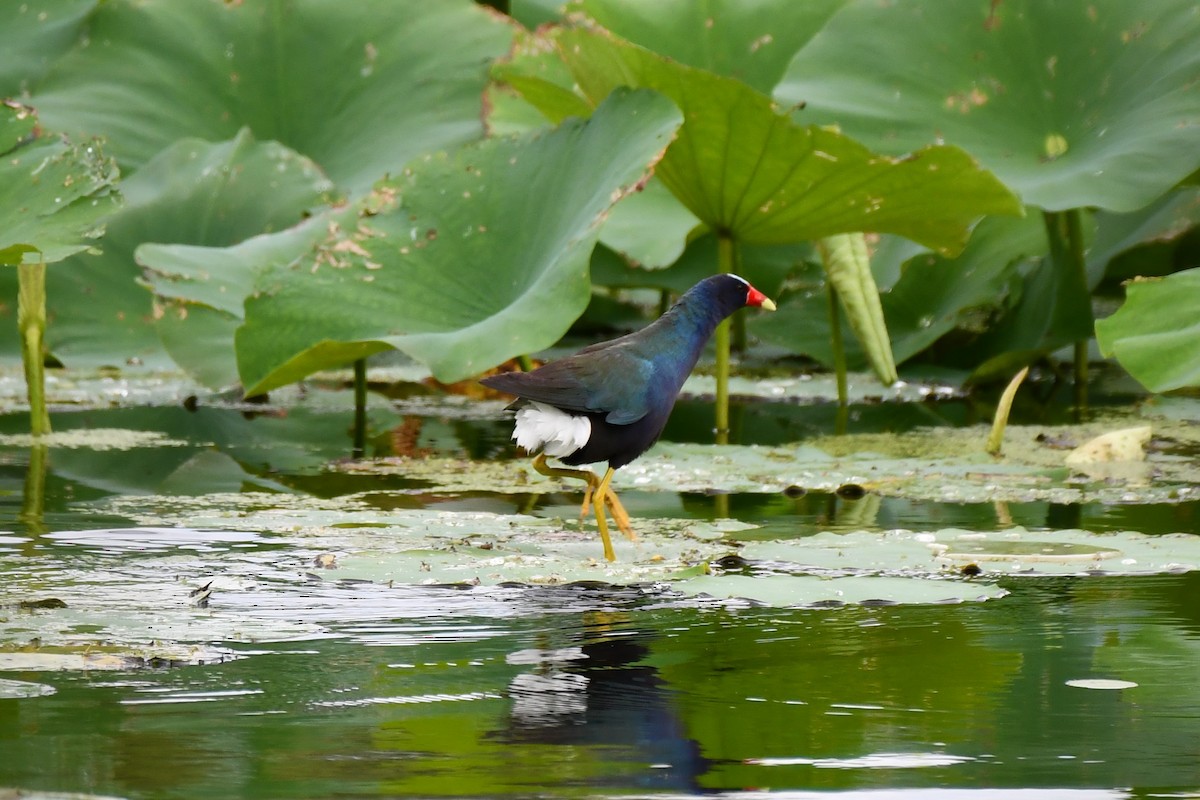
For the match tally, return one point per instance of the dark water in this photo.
(425, 692)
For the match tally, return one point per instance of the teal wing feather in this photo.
(608, 379)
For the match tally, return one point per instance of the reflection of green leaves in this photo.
(742, 167)
(1156, 334)
(1102, 116)
(360, 88)
(53, 194)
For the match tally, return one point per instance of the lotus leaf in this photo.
(1071, 104)
(743, 167)
(361, 89)
(458, 262)
(1156, 334)
(54, 195)
(193, 192)
(751, 40)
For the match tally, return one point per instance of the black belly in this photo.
(618, 444)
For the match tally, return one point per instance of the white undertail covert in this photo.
(550, 430)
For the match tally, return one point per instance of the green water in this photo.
(568, 693)
(369, 690)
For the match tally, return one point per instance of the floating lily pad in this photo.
(80, 388)
(345, 540)
(32, 794)
(794, 590)
(94, 439)
(945, 465)
(1015, 551)
(151, 657)
(19, 690)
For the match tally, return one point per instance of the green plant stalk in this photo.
(31, 323)
(664, 301)
(1075, 250)
(995, 439)
(1064, 232)
(33, 501)
(360, 408)
(738, 320)
(839, 347)
(725, 263)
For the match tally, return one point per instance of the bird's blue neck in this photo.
(682, 332)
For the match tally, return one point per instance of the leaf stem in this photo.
(1064, 232)
(360, 408)
(1077, 262)
(31, 322)
(725, 261)
(839, 347)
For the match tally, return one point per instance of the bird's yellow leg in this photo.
(619, 514)
(593, 493)
(587, 475)
(600, 497)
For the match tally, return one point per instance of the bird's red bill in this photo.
(757, 298)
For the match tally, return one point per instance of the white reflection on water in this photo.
(871, 761)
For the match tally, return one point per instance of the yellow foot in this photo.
(596, 488)
(615, 508)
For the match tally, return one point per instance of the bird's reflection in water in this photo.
(600, 693)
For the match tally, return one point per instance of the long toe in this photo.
(587, 504)
(619, 515)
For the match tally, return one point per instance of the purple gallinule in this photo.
(610, 401)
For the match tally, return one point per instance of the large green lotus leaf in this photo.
(465, 260)
(361, 88)
(742, 166)
(1049, 309)
(33, 34)
(751, 40)
(1155, 335)
(194, 192)
(932, 296)
(532, 13)
(1159, 225)
(1072, 104)
(203, 290)
(649, 227)
(54, 195)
